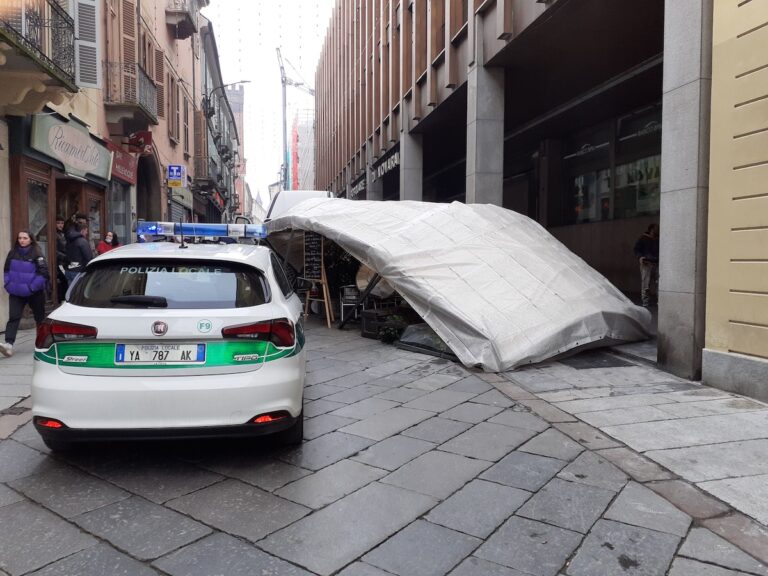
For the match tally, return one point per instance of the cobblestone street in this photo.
(593, 466)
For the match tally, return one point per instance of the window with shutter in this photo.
(200, 138)
(171, 101)
(186, 125)
(177, 106)
(87, 44)
(128, 13)
(160, 81)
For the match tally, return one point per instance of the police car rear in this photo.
(158, 340)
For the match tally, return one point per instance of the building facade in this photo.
(736, 347)
(590, 116)
(97, 117)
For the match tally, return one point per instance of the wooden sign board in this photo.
(313, 256)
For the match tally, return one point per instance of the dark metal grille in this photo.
(45, 30)
(128, 83)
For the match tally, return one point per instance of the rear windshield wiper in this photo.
(139, 300)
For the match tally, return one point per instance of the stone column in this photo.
(374, 189)
(411, 160)
(684, 184)
(485, 129)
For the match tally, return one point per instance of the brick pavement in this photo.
(412, 465)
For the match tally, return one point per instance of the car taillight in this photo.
(280, 332)
(51, 331)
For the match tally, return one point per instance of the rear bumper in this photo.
(176, 404)
(246, 430)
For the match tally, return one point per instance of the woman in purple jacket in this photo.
(25, 278)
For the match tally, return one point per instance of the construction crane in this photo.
(287, 81)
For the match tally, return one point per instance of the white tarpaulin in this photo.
(493, 284)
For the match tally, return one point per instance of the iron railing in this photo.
(181, 6)
(45, 30)
(127, 83)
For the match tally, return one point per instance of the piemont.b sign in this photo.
(71, 144)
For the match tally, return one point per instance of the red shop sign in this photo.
(124, 165)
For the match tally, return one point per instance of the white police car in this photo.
(163, 340)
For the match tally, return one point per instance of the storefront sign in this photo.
(71, 144)
(357, 188)
(124, 165)
(389, 163)
(177, 175)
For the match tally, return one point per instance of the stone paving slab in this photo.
(68, 492)
(522, 470)
(716, 461)
(239, 509)
(613, 548)
(437, 474)
(330, 484)
(225, 555)
(393, 452)
(363, 569)
(638, 467)
(520, 419)
(387, 423)
(692, 431)
(487, 441)
(745, 493)
(255, 469)
(568, 505)
(325, 450)
(705, 546)
(31, 537)
(530, 547)
(639, 506)
(422, 549)
(99, 560)
(478, 508)
(18, 461)
(321, 425)
(554, 444)
(592, 470)
(477, 566)
(338, 534)
(437, 430)
(685, 567)
(141, 528)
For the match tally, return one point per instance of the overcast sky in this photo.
(247, 33)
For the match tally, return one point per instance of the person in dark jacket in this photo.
(61, 258)
(25, 276)
(647, 253)
(79, 250)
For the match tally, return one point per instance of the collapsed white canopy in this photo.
(493, 284)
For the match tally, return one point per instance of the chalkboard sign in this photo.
(313, 256)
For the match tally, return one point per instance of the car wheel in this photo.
(295, 434)
(57, 445)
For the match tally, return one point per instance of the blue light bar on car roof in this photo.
(201, 229)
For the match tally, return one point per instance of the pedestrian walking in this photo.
(25, 276)
(110, 242)
(647, 253)
(79, 250)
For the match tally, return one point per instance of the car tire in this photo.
(57, 445)
(295, 434)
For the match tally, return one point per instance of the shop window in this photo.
(638, 188)
(38, 212)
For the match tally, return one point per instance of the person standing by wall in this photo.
(61, 259)
(647, 253)
(25, 276)
(79, 250)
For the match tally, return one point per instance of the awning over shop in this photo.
(493, 284)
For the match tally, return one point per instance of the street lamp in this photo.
(210, 94)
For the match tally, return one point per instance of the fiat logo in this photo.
(159, 328)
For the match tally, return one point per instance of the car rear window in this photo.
(170, 284)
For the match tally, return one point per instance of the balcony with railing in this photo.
(208, 175)
(43, 34)
(129, 93)
(181, 16)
